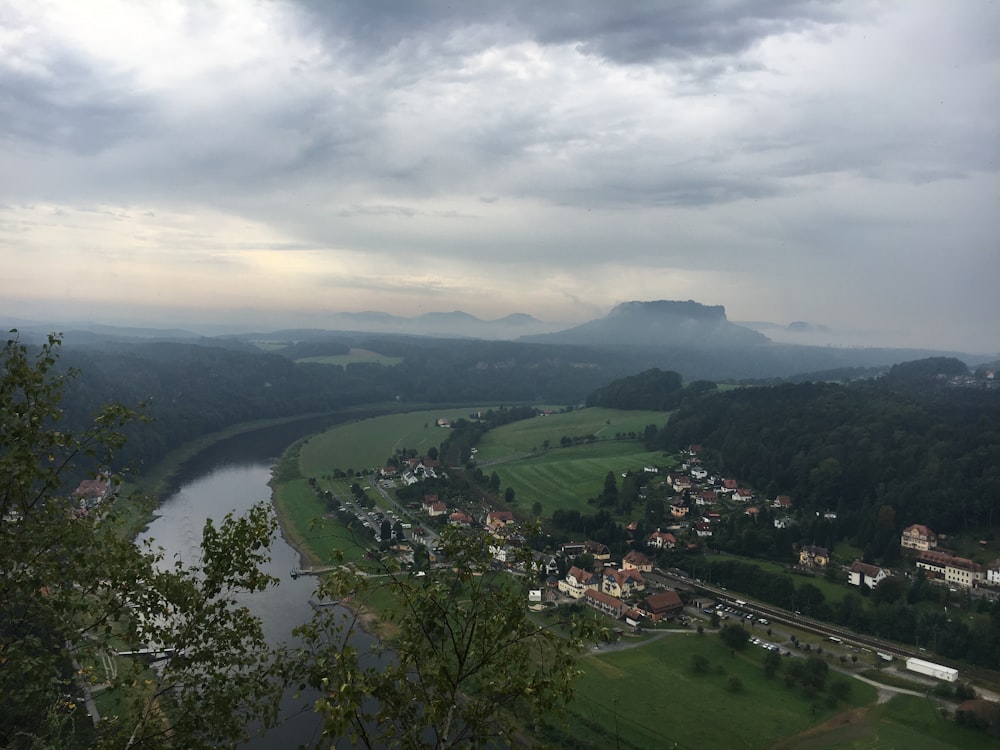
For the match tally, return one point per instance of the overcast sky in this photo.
(828, 162)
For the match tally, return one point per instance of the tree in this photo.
(734, 636)
(75, 590)
(385, 530)
(464, 661)
(699, 663)
(509, 495)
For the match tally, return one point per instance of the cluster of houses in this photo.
(90, 493)
(412, 470)
(943, 564)
(939, 564)
(615, 590)
(699, 494)
(860, 574)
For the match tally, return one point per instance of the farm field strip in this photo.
(530, 435)
(369, 442)
(356, 356)
(563, 479)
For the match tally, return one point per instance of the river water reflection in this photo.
(229, 479)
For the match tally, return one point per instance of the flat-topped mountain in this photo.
(661, 323)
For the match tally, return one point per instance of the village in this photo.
(625, 587)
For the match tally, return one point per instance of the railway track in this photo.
(846, 636)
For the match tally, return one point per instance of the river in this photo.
(230, 477)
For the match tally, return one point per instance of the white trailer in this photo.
(937, 671)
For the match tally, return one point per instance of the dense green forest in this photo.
(191, 389)
(651, 389)
(881, 453)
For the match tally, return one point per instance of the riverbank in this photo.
(161, 479)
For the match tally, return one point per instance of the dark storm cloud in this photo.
(629, 32)
(68, 106)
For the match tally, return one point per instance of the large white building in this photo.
(918, 537)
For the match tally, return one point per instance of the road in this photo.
(430, 536)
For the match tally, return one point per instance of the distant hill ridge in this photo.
(657, 324)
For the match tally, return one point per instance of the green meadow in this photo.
(905, 721)
(367, 443)
(306, 529)
(651, 696)
(529, 457)
(355, 356)
(531, 434)
(563, 478)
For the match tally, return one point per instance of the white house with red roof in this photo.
(635, 559)
(497, 519)
(622, 583)
(706, 498)
(461, 518)
(918, 537)
(610, 605)
(993, 573)
(577, 582)
(863, 574)
(680, 482)
(662, 540)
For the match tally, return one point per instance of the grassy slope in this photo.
(566, 477)
(306, 529)
(369, 442)
(651, 697)
(530, 434)
(906, 721)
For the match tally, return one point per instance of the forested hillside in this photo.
(190, 389)
(651, 389)
(882, 454)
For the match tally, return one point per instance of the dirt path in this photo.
(856, 717)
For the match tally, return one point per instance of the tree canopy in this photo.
(464, 666)
(77, 594)
(83, 608)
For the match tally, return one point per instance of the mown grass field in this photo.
(367, 444)
(355, 356)
(651, 697)
(306, 529)
(905, 721)
(563, 478)
(530, 434)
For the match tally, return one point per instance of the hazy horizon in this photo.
(172, 162)
(240, 322)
